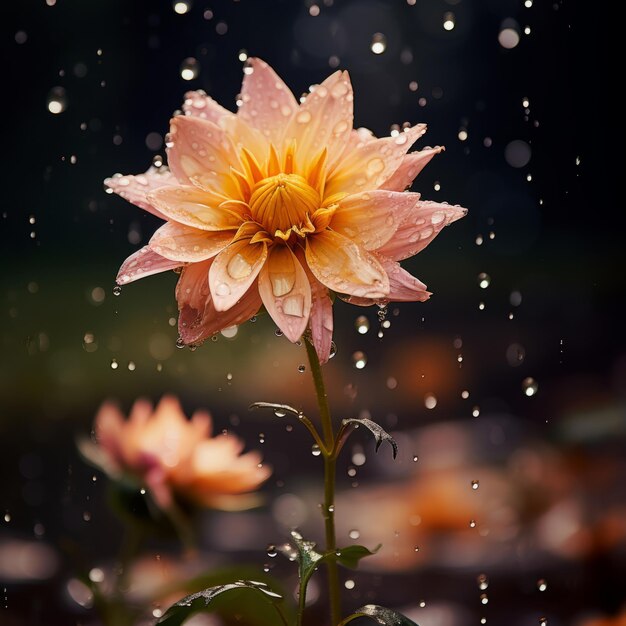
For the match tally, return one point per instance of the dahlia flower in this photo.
(173, 456)
(282, 205)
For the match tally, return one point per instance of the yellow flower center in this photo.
(284, 202)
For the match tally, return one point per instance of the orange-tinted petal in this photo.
(135, 189)
(324, 120)
(412, 164)
(202, 154)
(198, 318)
(188, 245)
(344, 266)
(142, 263)
(194, 207)
(371, 164)
(372, 217)
(198, 104)
(321, 319)
(420, 228)
(285, 291)
(233, 272)
(267, 103)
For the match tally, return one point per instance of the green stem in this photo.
(330, 460)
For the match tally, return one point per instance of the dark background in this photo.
(556, 240)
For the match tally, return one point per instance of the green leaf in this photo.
(381, 615)
(307, 556)
(380, 434)
(350, 556)
(213, 598)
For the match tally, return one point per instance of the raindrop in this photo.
(261, 437)
(114, 364)
(302, 368)
(462, 135)
(543, 621)
(315, 450)
(437, 186)
(484, 280)
(465, 394)
(359, 360)
(57, 100)
(379, 43)
(189, 68)
(117, 290)
(476, 411)
(354, 534)
(475, 484)
(517, 153)
(508, 37)
(530, 386)
(472, 523)
(280, 412)
(349, 584)
(430, 401)
(278, 332)
(448, 21)
(542, 585)
(483, 598)
(271, 550)
(515, 354)
(181, 6)
(415, 458)
(422, 604)
(362, 324)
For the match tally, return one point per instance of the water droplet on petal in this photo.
(303, 117)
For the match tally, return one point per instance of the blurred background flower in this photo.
(172, 456)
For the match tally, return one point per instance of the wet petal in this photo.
(198, 104)
(188, 245)
(267, 103)
(324, 120)
(321, 321)
(233, 272)
(194, 207)
(135, 189)
(371, 218)
(285, 291)
(423, 224)
(198, 318)
(142, 263)
(344, 266)
(202, 154)
(371, 164)
(412, 164)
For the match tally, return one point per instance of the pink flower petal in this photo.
(420, 228)
(324, 120)
(188, 245)
(412, 164)
(371, 218)
(233, 272)
(344, 266)
(195, 207)
(285, 291)
(135, 189)
(198, 318)
(202, 154)
(198, 104)
(321, 321)
(371, 164)
(142, 263)
(267, 103)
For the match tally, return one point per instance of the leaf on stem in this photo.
(381, 615)
(380, 434)
(307, 556)
(350, 556)
(183, 609)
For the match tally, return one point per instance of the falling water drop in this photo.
(542, 585)
(530, 386)
(189, 68)
(379, 43)
(359, 360)
(315, 450)
(362, 324)
(57, 100)
(484, 280)
(475, 484)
